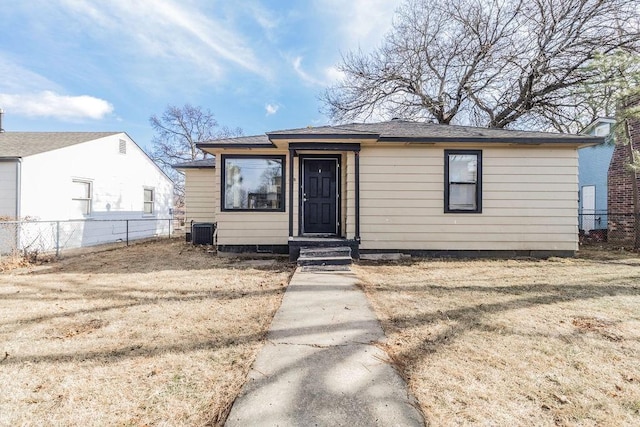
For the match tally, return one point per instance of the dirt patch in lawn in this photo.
(515, 342)
(159, 333)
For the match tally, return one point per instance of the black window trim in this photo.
(223, 171)
(478, 154)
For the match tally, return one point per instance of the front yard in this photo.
(163, 333)
(515, 342)
(154, 334)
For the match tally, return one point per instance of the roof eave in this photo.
(231, 145)
(297, 136)
(597, 122)
(485, 140)
(178, 167)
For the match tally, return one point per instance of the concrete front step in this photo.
(326, 251)
(340, 255)
(336, 260)
(297, 243)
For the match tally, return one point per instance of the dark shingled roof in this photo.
(404, 131)
(407, 131)
(209, 162)
(344, 131)
(23, 144)
(240, 142)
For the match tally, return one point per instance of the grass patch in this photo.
(159, 333)
(515, 342)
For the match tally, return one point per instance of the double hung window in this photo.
(463, 181)
(148, 201)
(81, 196)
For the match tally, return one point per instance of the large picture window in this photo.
(253, 183)
(463, 181)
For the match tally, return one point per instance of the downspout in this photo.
(357, 190)
(18, 186)
(18, 195)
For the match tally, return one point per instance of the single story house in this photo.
(395, 186)
(80, 178)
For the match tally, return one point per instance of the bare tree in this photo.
(177, 132)
(494, 63)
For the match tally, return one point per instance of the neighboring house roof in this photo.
(599, 127)
(405, 131)
(23, 144)
(209, 162)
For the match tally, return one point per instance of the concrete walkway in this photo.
(319, 366)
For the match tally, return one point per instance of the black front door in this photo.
(320, 201)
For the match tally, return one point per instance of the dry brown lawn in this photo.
(515, 342)
(159, 333)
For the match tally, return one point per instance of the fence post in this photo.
(127, 232)
(18, 234)
(57, 238)
(169, 227)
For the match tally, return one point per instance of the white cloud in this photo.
(173, 30)
(360, 23)
(354, 24)
(271, 109)
(330, 75)
(306, 77)
(267, 19)
(17, 79)
(52, 105)
(24, 92)
(333, 75)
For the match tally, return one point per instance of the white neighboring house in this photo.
(64, 176)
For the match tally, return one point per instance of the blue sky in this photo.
(108, 65)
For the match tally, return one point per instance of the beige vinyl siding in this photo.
(529, 200)
(252, 228)
(200, 195)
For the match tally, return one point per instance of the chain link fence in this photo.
(54, 237)
(616, 228)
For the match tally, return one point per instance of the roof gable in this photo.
(23, 144)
